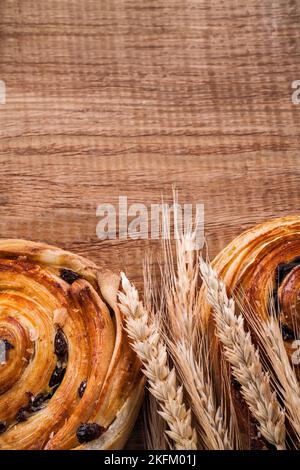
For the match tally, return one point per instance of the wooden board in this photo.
(128, 97)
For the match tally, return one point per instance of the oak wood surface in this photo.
(128, 97)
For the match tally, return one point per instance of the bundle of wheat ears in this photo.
(222, 382)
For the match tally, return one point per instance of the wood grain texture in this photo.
(127, 97)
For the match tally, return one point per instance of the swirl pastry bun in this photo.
(261, 268)
(69, 379)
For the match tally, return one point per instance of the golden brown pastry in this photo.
(69, 379)
(261, 267)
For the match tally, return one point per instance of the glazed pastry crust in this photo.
(257, 251)
(249, 267)
(34, 303)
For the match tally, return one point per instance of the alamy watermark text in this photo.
(138, 221)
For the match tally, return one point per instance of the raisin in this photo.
(3, 427)
(37, 402)
(82, 388)
(287, 333)
(60, 344)
(236, 385)
(257, 442)
(57, 376)
(88, 432)
(8, 345)
(283, 269)
(22, 415)
(69, 276)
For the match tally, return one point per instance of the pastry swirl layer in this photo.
(69, 379)
(261, 268)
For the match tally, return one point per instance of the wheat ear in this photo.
(286, 379)
(188, 343)
(244, 360)
(154, 425)
(198, 384)
(150, 348)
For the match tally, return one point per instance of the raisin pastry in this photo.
(69, 379)
(261, 267)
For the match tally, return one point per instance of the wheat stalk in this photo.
(244, 359)
(285, 379)
(154, 425)
(180, 289)
(272, 346)
(187, 340)
(151, 349)
(198, 384)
